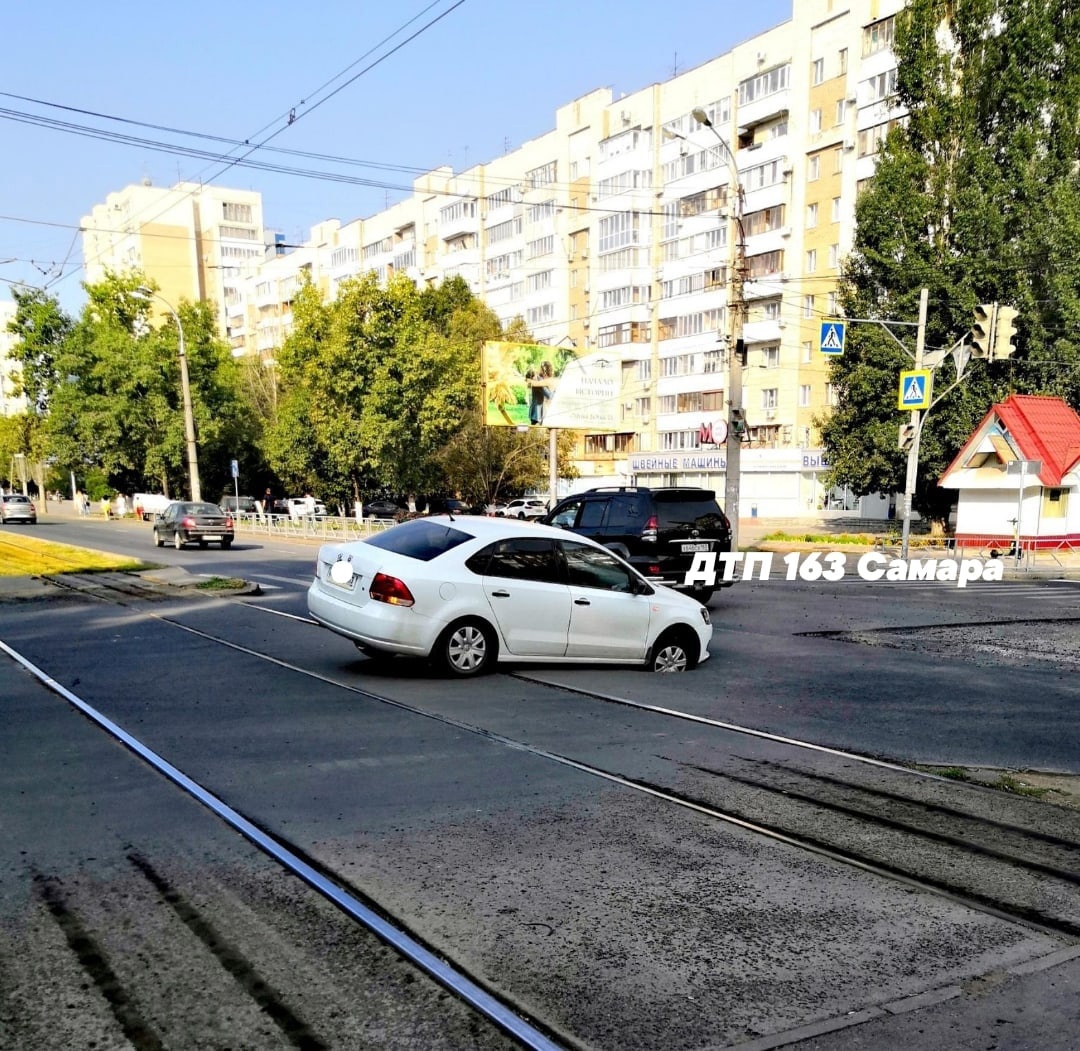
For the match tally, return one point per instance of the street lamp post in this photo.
(736, 308)
(185, 387)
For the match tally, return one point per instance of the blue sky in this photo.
(485, 77)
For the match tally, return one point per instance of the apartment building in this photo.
(10, 403)
(618, 231)
(195, 241)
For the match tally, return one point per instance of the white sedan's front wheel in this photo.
(673, 653)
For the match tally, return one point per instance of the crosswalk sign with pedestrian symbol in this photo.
(915, 389)
(832, 336)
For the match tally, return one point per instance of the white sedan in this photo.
(468, 591)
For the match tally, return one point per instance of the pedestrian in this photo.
(268, 504)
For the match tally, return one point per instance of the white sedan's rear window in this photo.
(422, 539)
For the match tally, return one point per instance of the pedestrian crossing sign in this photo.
(915, 389)
(832, 336)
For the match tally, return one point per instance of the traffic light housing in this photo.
(738, 423)
(1004, 331)
(982, 332)
(906, 437)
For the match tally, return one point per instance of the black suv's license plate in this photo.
(697, 547)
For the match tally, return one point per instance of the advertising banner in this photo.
(534, 385)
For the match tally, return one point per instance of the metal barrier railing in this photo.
(323, 528)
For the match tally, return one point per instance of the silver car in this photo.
(17, 508)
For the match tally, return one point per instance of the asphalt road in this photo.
(619, 920)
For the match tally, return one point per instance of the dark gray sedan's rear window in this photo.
(423, 539)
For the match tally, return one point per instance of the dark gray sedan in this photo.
(193, 523)
(17, 508)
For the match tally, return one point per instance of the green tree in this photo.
(42, 328)
(975, 198)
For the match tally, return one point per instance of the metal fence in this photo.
(323, 528)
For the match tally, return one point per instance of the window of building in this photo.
(764, 220)
(834, 256)
(451, 213)
(842, 60)
(1055, 503)
(497, 199)
(835, 213)
(834, 304)
(817, 71)
(538, 213)
(807, 351)
(618, 231)
(807, 306)
(838, 160)
(841, 112)
(643, 406)
(538, 282)
(634, 179)
(811, 260)
(504, 231)
(804, 395)
(540, 315)
(236, 213)
(811, 216)
(644, 371)
(238, 233)
(770, 357)
(830, 394)
(766, 263)
(770, 397)
(542, 176)
(764, 84)
(625, 332)
(713, 361)
(813, 169)
(541, 246)
(878, 36)
(814, 118)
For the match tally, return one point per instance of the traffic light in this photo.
(738, 423)
(907, 435)
(982, 332)
(1004, 331)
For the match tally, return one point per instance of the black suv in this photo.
(658, 531)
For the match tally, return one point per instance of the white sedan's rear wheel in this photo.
(177, 541)
(466, 648)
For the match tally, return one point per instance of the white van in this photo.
(146, 505)
(302, 507)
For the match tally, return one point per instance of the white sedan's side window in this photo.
(589, 567)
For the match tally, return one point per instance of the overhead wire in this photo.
(291, 116)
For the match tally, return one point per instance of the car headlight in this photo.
(705, 615)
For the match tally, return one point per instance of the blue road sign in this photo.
(234, 468)
(914, 389)
(832, 336)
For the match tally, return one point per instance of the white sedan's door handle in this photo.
(582, 602)
(500, 594)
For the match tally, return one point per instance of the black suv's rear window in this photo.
(676, 511)
(422, 539)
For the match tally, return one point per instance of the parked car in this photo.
(303, 507)
(468, 592)
(382, 508)
(526, 507)
(242, 504)
(17, 508)
(193, 523)
(658, 531)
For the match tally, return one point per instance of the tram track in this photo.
(822, 815)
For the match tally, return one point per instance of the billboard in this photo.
(534, 385)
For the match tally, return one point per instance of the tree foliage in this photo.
(976, 197)
(109, 385)
(379, 390)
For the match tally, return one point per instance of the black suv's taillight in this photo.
(649, 530)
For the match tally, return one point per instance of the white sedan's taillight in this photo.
(385, 588)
